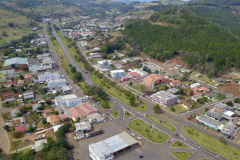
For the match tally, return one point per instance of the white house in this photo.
(117, 73)
(55, 83)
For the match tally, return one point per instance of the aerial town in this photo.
(72, 89)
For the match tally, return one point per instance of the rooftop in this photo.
(208, 120)
(16, 60)
(82, 125)
(164, 95)
(54, 118)
(116, 71)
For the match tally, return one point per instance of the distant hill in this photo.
(179, 32)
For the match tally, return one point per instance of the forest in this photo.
(196, 40)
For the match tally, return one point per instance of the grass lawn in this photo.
(163, 123)
(178, 109)
(212, 143)
(180, 144)
(127, 114)
(119, 95)
(144, 129)
(115, 113)
(181, 155)
(204, 78)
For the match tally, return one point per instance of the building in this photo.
(83, 126)
(47, 76)
(204, 89)
(154, 80)
(214, 115)
(195, 85)
(55, 119)
(197, 97)
(197, 75)
(125, 78)
(16, 122)
(53, 84)
(104, 150)
(117, 73)
(173, 91)
(28, 95)
(36, 68)
(80, 111)
(22, 129)
(38, 146)
(153, 68)
(93, 117)
(20, 82)
(229, 129)
(209, 122)
(14, 112)
(186, 104)
(220, 108)
(8, 73)
(47, 112)
(104, 64)
(28, 77)
(36, 106)
(164, 98)
(11, 84)
(134, 75)
(63, 117)
(140, 72)
(176, 83)
(236, 105)
(70, 100)
(6, 95)
(80, 134)
(95, 55)
(183, 70)
(16, 62)
(65, 89)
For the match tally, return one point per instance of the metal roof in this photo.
(16, 60)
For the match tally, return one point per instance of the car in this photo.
(128, 128)
(34, 102)
(38, 138)
(176, 134)
(140, 156)
(206, 128)
(130, 118)
(110, 119)
(70, 147)
(29, 134)
(139, 138)
(133, 134)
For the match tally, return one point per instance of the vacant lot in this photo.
(232, 88)
(176, 109)
(162, 122)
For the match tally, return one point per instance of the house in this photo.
(63, 117)
(16, 122)
(8, 73)
(47, 112)
(96, 49)
(103, 65)
(220, 80)
(80, 134)
(204, 89)
(36, 68)
(164, 98)
(69, 100)
(153, 68)
(22, 129)
(214, 115)
(195, 85)
(140, 72)
(95, 55)
(236, 105)
(211, 95)
(53, 84)
(176, 83)
(209, 122)
(10, 94)
(80, 111)
(28, 95)
(47, 76)
(134, 75)
(173, 91)
(65, 89)
(186, 104)
(20, 82)
(229, 113)
(83, 126)
(196, 97)
(28, 77)
(154, 80)
(127, 60)
(229, 129)
(10, 84)
(54, 119)
(39, 145)
(197, 75)
(117, 73)
(10, 100)
(16, 62)
(220, 108)
(185, 70)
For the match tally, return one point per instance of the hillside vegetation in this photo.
(13, 26)
(195, 39)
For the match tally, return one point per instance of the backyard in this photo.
(212, 143)
(146, 131)
(162, 122)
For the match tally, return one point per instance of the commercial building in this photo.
(95, 118)
(104, 64)
(65, 89)
(53, 84)
(154, 80)
(28, 95)
(83, 126)
(164, 98)
(220, 108)
(117, 73)
(16, 62)
(140, 72)
(70, 100)
(229, 129)
(47, 76)
(104, 150)
(209, 122)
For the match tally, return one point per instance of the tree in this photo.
(132, 99)
(44, 121)
(229, 103)
(222, 140)
(78, 76)
(6, 127)
(130, 83)
(73, 69)
(21, 77)
(181, 91)
(206, 109)
(157, 109)
(48, 101)
(31, 129)
(13, 66)
(56, 112)
(237, 100)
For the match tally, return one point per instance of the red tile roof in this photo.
(134, 74)
(54, 118)
(176, 82)
(22, 128)
(48, 111)
(185, 103)
(16, 121)
(156, 77)
(81, 109)
(204, 88)
(6, 94)
(63, 116)
(11, 82)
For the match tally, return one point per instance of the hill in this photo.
(13, 26)
(172, 31)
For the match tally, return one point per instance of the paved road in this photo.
(138, 114)
(4, 140)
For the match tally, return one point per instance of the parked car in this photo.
(32, 102)
(38, 138)
(128, 128)
(140, 156)
(1, 150)
(139, 138)
(130, 118)
(70, 147)
(133, 134)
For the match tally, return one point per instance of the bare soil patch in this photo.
(232, 88)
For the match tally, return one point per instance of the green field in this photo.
(163, 123)
(144, 129)
(181, 155)
(21, 26)
(127, 114)
(180, 144)
(212, 143)
(115, 113)
(178, 109)
(204, 78)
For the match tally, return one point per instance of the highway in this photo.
(138, 114)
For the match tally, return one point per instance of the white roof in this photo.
(82, 126)
(117, 71)
(228, 113)
(55, 128)
(195, 85)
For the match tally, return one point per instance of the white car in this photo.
(139, 138)
(133, 134)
